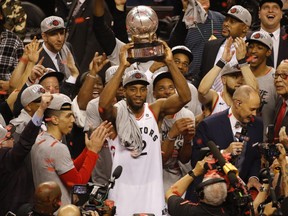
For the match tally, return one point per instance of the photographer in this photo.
(265, 191)
(212, 192)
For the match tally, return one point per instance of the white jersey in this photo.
(139, 189)
(220, 105)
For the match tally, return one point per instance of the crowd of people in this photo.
(199, 131)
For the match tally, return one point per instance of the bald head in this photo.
(47, 198)
(246, 101)
(69, 210)
(244, 92)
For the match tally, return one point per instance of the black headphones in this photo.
(199, 188)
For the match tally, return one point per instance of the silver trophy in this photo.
(142, 23)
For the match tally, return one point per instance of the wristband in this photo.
(92, 76)
(169, 138)
(191, 173)
(242, 61)
(30, 80)
(221, 63)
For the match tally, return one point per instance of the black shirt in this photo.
(176, 206)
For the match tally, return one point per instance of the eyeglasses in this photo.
(283, 75)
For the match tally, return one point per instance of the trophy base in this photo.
(143, 52)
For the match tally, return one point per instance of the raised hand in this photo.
(227, 54)
(97, 63)
(96, 140)
(241, 48)
(37, 71)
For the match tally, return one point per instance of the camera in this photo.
(269, 151)
(92, 197)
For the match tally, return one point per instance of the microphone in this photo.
(100, 192)
(229, 169)
(116, 174)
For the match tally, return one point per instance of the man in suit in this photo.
(55, 51)
(270, 15)
(236, 24)
(280, 117)
(240, 117)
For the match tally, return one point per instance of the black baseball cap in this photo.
(279, 2)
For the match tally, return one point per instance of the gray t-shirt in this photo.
(268, 97)
(50, 158)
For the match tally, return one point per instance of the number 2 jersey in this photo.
(139, 189)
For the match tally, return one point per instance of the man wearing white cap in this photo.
(260, 46)
(232, 77)
(235, 25)
(30, 100)
(55, 51)
(16, 175)
(51, 160)
(139, 151)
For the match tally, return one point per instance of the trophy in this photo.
(141, 24)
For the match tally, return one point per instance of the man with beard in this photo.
(139, 148)
(235, 25)
(232, 78)
(55, 50)
(50, 158)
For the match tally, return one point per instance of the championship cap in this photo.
(240, 13)
(31, 94)
(60, 102)
(52, 23)
(135, 77)
(261, 37)
(227, 70)
(184, 50)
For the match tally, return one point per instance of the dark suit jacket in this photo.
(276, 111)
(16, 180)
(283, 49)
(218, 129)
(82, 37)
(210, 52)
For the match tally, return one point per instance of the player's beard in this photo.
(134, 107)
(230, 91)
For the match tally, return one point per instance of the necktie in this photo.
(60, 64)
(279, 119)
(271, 35)
(77, 8)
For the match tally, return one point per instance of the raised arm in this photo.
(109, 92)
(175, 102)
(248, 75)
(205, 93)
(86, 91)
